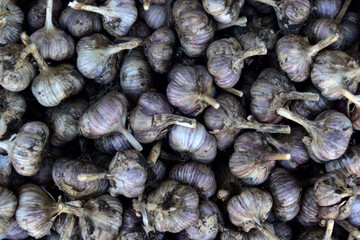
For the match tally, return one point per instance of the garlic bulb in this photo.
(159, 49)
(112, 144)
(53, 43)
(291, 144)
(271, 91)
(253, 158)
(158, 15)
(13, 107)
(98, 56)
(283, 231)
(226, 60)
(152, 117)
(37, 14)
(194, 27)
(16, 71)
(329, 134)
(63, 120)
(197, 143)
(172, 207)
(291, 14)
(354, 218)
(65, 173)
(250, 208)
(127, 174)
(335, 72)
(327, 8)
(191, 89)
(14, 232)
(11, 20)
(198, 176)
(118, 15)
(286, 193)
(295, 55)
(207, 226)
(309, 208)
(253, 234)
(227, 121)
(223, 11)
(8, 204)
(349, 28)
(80, 23)
(347, 164)
(135, 75)
(26, 152)
(107, 116)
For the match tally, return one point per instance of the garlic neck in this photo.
(296, 118)
(263, 127)
(7, 144)
(241, 22)
(166, 120)
(70, 209)
(351, 97)
(270, 156)
(40, 61)
(272, 3)
(211, 101)
(239, 58)
(49, 12)
(89, 8)
(133, 43)
(313, 50)
(342, 11)
(283, 97)
(88, 177)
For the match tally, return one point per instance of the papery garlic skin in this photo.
(112, 144)
(347, 164)
(223, 11)
(354, 217)
(14, 232)
(11, 21)
(29, 148)
(309, 208)
(327, 8)
(8, 204)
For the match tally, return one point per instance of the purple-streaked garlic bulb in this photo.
(29, 147)
(329, 134)
(107, 116)
(310, 109)
(98, 57)
(80, 23)
(191, 89)
(271, 91)
(196, 142)
(52, 42)
(14, 232)
(283, 231)
(227, 121)
(112, 144)
(152, 118)
(11, 21)
(226, 60)
(16, 70)
(354, 217)
(159, 49)
(158, 15)
(228, 184)
(268, 232)
(253, 158)
(135, 75)
(291, 14)
(291, 144)
(172, 207)
(295, 55)
(223, 11)
(139, 30)
(207, 226)
(65, 173)
(348, 164)
(250, 209)
(309, 208)
(199, 176)
(349, 27)
(127, 174)
(285, 190)
(8, 204)
(118, 15)
(13, 107)
(194, 27)
(36, 16)
(54, 83)
(63, 120)
(335, 72)
(327, 8)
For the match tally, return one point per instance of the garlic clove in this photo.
(11, 21)
(158, 15)
(8, 204)
(327, 8)
(14, 232)
(309, 208)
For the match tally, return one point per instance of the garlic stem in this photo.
(154, 154)
(241, 22)
(170, 119)
(269, 156)
(68, 228)
(131, 139)
(263, 127)
(135, 42)
(27, 50)
(88, 177)
(209, 100)
(295, 95)
(146, 5)
(223, 194)
(48, 20)
(70, 209)
(89, 8)
(270, 3)
(240, 57)
(267, 233)
(313, 50)
(351, 97)
(140, 207)
(353, 231)
(342, 11)
(329, 229)
(7, 144)
(234, 91)
(40, 61)
(294, 117)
